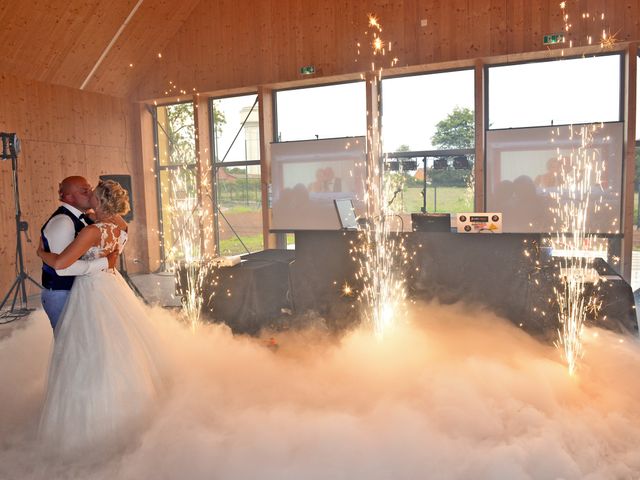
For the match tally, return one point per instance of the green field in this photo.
(233, 247)
(439, 199)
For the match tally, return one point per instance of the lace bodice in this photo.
(111, 238)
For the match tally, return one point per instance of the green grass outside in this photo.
(232, 246)
(445, 200)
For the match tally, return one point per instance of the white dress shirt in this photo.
(60, 232)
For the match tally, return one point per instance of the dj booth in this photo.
(506, 273)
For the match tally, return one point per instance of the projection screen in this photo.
(307, 176)
(522, 173)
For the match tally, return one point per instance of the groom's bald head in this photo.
(76, 191)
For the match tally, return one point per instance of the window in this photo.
(330, 111)
(236, 133)
(414, 106)
(428, 132)
(176, 174)
(559, 92)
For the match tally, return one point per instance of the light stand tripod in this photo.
(11, 149)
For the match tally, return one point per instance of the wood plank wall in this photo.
(64, 131)
(229, 43)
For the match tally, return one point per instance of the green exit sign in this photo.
(308, 70)
(552, 39)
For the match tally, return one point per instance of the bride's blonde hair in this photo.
(112, 197)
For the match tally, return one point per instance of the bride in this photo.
(103, 377)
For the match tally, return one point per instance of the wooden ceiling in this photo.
(214, 45)
(61, 41)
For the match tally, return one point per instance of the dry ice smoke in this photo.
(454, 393)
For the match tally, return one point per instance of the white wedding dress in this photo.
(103, 377)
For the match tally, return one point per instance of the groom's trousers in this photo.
(53, 302)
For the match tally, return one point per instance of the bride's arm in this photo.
(87, 238)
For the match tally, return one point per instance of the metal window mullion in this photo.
(214, 175)
(156, 152)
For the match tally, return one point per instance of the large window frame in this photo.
(487, 96)
(191, 167)
(613, 241)
(481, 109)
(276, 136)
(217, 163)
(445, 158)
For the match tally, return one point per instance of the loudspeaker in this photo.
(125, 182)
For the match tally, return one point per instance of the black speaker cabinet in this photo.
(125, 182)
(431, 222)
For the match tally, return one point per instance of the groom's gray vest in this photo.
(50, 279)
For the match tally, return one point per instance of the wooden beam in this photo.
(479, 166)
(265, 106)
(630, 76)
(374, 142)
(206, 185)
(148, 161)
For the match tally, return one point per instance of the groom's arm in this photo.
(60, 233)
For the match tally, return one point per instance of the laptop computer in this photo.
(346, 213)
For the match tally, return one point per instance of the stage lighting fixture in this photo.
(409, 165)
(461, 163)
(440, 163)
(10, 145)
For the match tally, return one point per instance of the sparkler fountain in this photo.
(580, 175)
(191, 237)
(380, 253)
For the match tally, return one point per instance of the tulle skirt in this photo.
(104, 377)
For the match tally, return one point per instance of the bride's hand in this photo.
(40, 250)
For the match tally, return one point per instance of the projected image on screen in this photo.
(307, 177)
(524, 173)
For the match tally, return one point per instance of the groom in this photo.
(58, 232)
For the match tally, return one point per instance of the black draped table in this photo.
(505, 273)
(247, 296)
